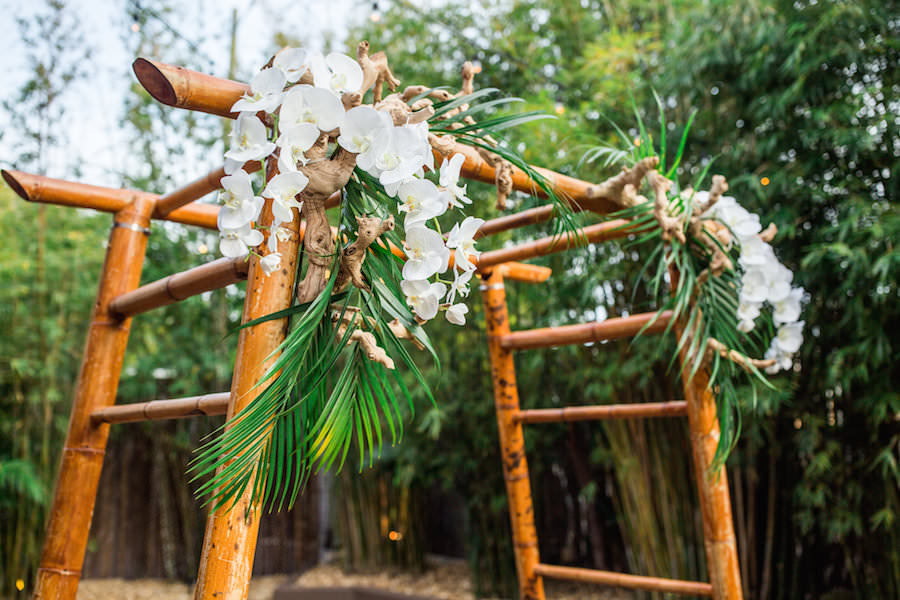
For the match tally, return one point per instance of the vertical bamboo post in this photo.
(512, 442)
(230, 541)
(712, 486)
(82, 460)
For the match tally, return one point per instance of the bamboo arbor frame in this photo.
(230, 540)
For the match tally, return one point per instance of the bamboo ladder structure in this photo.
(230, 539)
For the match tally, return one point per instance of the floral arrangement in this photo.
(366, 286)
(730, 297)
(388, 141)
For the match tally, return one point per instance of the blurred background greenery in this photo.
(798, 104)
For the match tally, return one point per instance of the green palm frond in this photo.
(481, 134)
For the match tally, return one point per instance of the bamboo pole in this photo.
(230, 541)
(37, 188)
(512, 442)
(179, 286)
(82, 460)
(531, 216)
(593, 234)
(655, 584)
(582, 333)
(191, 90)
(712, 486)
(607, 411)
(209, 404)
(195, 190)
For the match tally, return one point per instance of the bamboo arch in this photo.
(230, 539)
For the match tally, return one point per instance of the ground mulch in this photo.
(448, 580)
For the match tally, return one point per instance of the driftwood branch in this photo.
(369, 228)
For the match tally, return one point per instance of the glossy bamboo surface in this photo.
(192, 90)
(79, 473)
(602, 411)
(582, 333)
(195, 190)
(712, 484)
(155, 410)
(638, 582)
(512, 441)
(593, 234)
(230, 541)
(47, 190)
(179, 286)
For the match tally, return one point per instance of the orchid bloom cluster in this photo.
(764, 281)
(303, 115)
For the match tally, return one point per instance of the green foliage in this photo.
(799, 93)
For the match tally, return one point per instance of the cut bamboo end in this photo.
(600, 412)
(601, 331)
(593, 234)
(183, 88)
(638, 582)
(155, 410)
(180, 286)
(10, 178)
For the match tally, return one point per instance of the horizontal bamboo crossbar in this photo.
(195, 190)
(593, 234)
(46, 190)
(639, 582)
(610, 329)
(177, 206)
(210, 404)
(191, 90)
(599, 412)
(180, 286)
(225, 271)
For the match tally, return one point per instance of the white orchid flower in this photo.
(787, 310)
(249, 140)
(739, 220)
(449, 179)
(270, 262)
(366, 132)
(747, 312)
(426, 253)
(456, 314)
(724, 203)
(293, 143)
(401, 158)
(266, 92)
(424, 297)
(778, 283)
(292, 62)
(783, 360)
(282, 189)
(307, 104)
(421, 200)
(462, 239)
(460, 285)
(789, 337)
(235, 243)
(277, 234)
(754, 285)
(336, 72)
(755, 252)
(240, 205)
